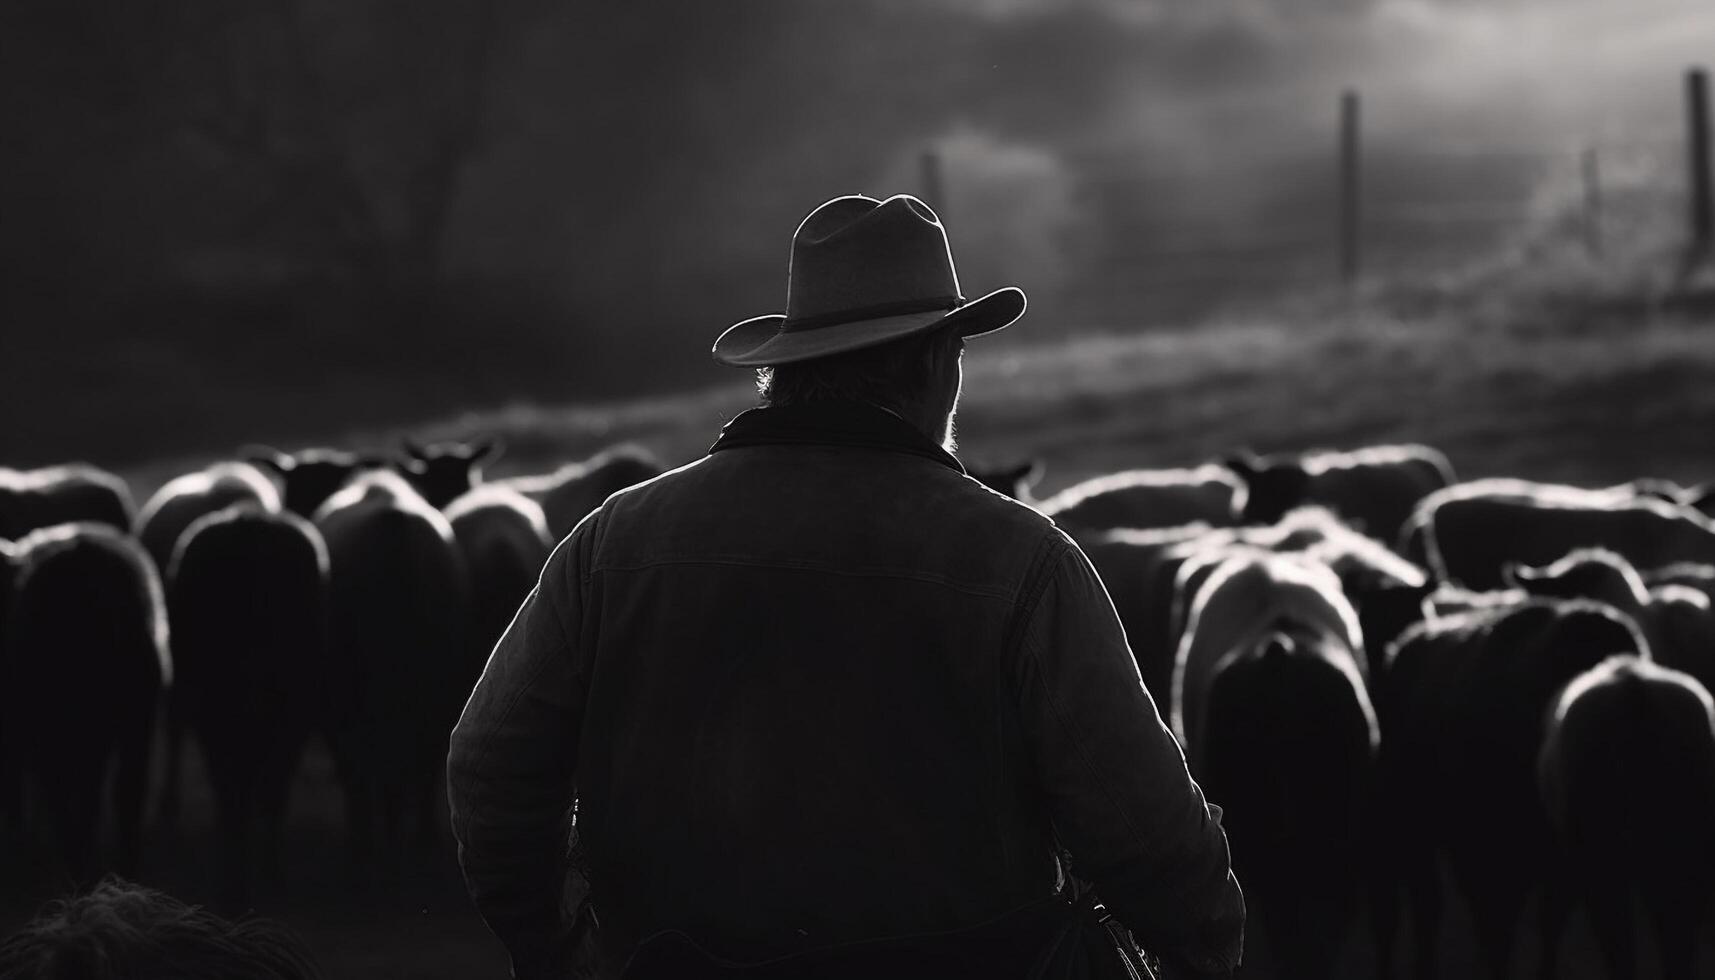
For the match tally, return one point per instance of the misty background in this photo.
(282, 221)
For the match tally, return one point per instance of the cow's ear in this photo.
(1242, 461)
(1518, 576)
(268, 459)
(413, 449)
(1027, 473)
(487, 450)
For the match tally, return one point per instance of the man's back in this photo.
(802, 723)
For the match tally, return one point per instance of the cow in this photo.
(1373, 489)
(1461, 703)
(1675, 620)
(568, 494)
(76, 492)
(183, 499)
(503, 537)
(247, 593)
(443, 471)
(1287, 747)
(1150, 499)
(1692, 575)
(1247, 597)
(311, 476)
(1470, 531)
(1386, 590)
(161, 524)
(83, 664)
(399, 621)
(1626, 774)
(1152, 575)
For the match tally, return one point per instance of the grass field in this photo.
(1571, 373)
(1578, 375)
(1578, 381)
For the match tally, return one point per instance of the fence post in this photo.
(1697, 123)
(934, 194)
(1349, 186)
(1592, 203)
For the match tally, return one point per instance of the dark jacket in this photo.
(821, 686)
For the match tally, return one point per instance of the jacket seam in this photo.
(1030, 649)
(1036, 580)
(1035, 585)
(487, 743)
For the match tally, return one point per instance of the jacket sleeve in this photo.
(511, 763)
(1117, 787)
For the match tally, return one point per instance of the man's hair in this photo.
(898, 374)
(121, 930)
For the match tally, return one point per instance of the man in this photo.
(820, 687)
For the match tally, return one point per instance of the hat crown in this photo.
(855, 257)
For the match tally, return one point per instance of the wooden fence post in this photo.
(1592, 203)
(934, 194)
(1697, 137)
(1350, 186)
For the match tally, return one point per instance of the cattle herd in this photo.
(255, 606)
(1389, 680)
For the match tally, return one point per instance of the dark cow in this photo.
(1373, 489)
(1627, 775)
(399, 636)
(1676, 621)
(247, 592)
(444, 470)
(1287, 749)
(1248, 596)
(503, 537)
(82, 668)
(568, 494)
(183, 499)
(1584, 573)
(1461, 703)
(1386, 590)
(168, 512)
(1692, 575)
(1469, 532)
(1150, 499)
(311, 476)
(76, 492)
(1151, 575)
(1015, 481)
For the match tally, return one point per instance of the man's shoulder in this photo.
(835, 497)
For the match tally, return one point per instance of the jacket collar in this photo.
(831, 424)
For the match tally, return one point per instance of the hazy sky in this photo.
(640, 165)
(724, 123)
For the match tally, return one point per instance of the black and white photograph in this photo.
(857, 489)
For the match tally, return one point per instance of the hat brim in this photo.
(758, 341)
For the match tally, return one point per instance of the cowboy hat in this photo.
(864, 272)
